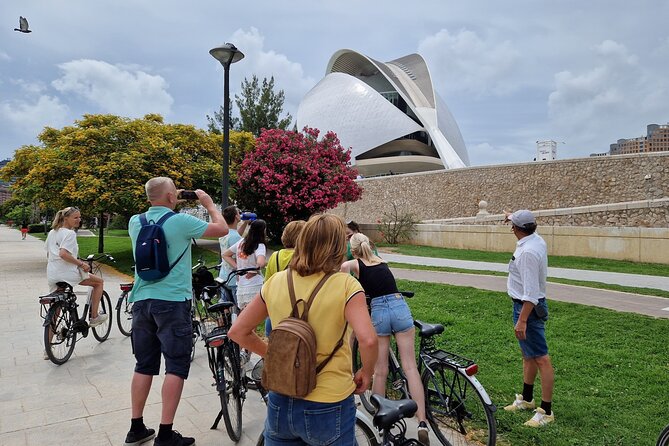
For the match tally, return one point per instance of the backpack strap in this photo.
(337, 347)
(278, 268)
(307, 304)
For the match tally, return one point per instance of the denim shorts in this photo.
(160, 326)
(534, 345)
(391, 314)
(293, 421)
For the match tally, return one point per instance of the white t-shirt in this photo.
(251, 261)
(528, 270)
(57, 269)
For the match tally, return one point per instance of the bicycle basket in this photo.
(202, 277)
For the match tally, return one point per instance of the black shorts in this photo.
(160, 326)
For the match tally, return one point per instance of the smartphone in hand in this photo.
(187, 195)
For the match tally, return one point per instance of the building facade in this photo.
(388, 114)
(656, 140)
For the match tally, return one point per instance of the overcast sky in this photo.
(512, 72)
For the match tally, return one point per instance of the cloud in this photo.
(4, 56)
(613, 99)
(118, 89)
(466, 61)
(288, 76)
(29, 87)
(31, 118)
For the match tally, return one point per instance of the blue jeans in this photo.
(292, 421)
(391, 314)
(534, 345)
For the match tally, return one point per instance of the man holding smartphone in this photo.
(161, 320)
(526, 286)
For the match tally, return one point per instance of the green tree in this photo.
(259, 108)
(100, 163)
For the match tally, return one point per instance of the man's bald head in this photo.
(157, 189)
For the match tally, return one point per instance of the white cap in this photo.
(522, 217)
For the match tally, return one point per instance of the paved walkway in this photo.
(86, 401)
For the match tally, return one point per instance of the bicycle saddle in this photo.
(220, 307)
(427, 330)
(64, 285)
(389, 412)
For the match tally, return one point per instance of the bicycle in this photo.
(223, 355)
(663, 439)
(124, 309)
(205, 290)
(62, 323)
(456, 404)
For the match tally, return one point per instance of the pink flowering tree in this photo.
(292, 175)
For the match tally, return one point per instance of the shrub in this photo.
(396, 226)
(38, 227)
(118, 221)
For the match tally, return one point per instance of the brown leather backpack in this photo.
(290, 363)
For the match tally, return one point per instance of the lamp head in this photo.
(226, 54)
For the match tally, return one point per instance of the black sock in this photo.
(165, 432)
(137, 424)
(528, 392)
(546, 406)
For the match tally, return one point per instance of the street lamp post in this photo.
(226, 54)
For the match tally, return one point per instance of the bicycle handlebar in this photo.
(93, 258)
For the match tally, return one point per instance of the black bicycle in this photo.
(223, 355)
(457, 406)
(63, 326)
(124, 309)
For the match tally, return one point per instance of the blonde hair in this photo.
(321, 246)
(361, 247)
(291, 232)
(157, 187)
(59, 218)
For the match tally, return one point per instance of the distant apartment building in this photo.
(5, 192)
(656, 140)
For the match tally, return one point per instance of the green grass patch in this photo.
(586, 263)
(583, 283)
(611, 368)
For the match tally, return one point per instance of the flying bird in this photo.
(23, 25)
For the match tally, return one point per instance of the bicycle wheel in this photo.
(455, 408)
(364, 435)
(59, 334)
(663, 439)
(124, 314)
(229, 390)
(101, 332)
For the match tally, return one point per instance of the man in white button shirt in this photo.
(526, 286)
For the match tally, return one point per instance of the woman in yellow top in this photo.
(327, 414)
(280, 259)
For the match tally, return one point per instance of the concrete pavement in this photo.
(86, 401)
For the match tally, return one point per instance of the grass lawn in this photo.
(587, 263)
(611, 369)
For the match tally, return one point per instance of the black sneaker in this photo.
(137, 438)
(176, 440)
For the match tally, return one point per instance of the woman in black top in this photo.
(390, 316)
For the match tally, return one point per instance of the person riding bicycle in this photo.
(327, 414)
(391, 316)
(161, 312)
(63, 265)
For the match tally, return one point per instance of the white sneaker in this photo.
(520, 404)
(540, 418)
(101, 319)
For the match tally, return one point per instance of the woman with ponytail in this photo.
(390, 316)
(64, 265)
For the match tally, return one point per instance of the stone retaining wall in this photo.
(548, 185)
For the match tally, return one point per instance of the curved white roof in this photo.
(352, 100)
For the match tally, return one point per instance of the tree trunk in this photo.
(101, 233)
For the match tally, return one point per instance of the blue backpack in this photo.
(151, 262)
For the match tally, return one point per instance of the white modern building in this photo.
(388, 114)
